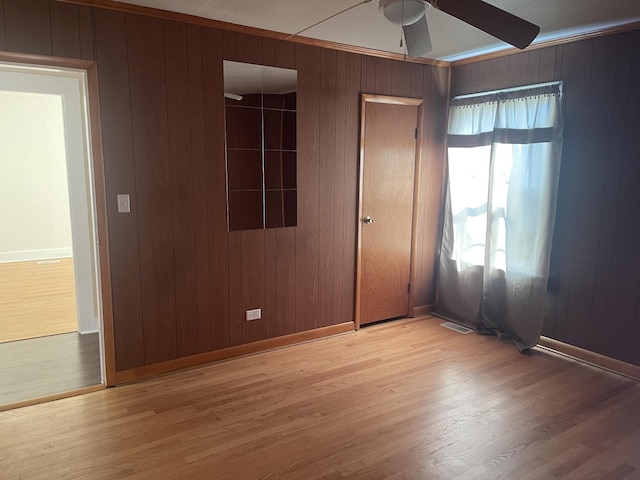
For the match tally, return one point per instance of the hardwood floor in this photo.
(408, 399)
(37, 299)
(44, 366)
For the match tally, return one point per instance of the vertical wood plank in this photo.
(115, 109)
(65, 30)
(327, 136)
(558, 60)
(496, 74)
(339, 247)
(478, 77)
(417, 81)
(547, 70)
(268, 52)
(85, 18)
(518, 69)
(383, 76)
(180, 158)
(153, 185)
(28, 26)
(216, 188)
(363, 75)
(461, 77)
(350, 213)
(400, 79)
(229, 45)
(236, 316)
(285, 238)
(253, 287)
(285, 54)
(533, 66)
(369, 65)
(200, 186)
(270, 311)
(308, 63)
(248, 48)
(3, 28)
(286, 293)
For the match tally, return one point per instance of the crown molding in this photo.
(207, 22)
(551, 43)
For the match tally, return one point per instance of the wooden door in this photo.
(388, 157)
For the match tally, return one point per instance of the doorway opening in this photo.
(51, 325)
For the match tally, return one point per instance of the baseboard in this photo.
(587, 356)
(423, 310)
(31, 255)
(147, 371)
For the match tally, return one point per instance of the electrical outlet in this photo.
(255, 314)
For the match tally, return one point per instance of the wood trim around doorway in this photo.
(90, 67)
(419, 103)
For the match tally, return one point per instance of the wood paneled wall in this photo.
(181, 282)
(593, 300)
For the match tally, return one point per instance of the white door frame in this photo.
(76, 81)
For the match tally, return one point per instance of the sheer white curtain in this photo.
(504, 162)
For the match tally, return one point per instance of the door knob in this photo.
(367, 219)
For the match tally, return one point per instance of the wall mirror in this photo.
(260, 132)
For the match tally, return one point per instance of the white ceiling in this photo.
(365, 26)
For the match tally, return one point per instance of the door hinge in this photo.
(408, 287)
(415, 134)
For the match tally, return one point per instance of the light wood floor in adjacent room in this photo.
(37, 299)
(402, 400)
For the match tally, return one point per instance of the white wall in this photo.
(35, 220)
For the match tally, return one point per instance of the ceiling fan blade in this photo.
(417, 38)
(499, 23)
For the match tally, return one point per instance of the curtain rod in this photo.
(513, 89)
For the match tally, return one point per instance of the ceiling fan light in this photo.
(400, 14)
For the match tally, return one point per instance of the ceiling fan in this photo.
(411, 15)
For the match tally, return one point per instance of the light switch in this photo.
(124, 206)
